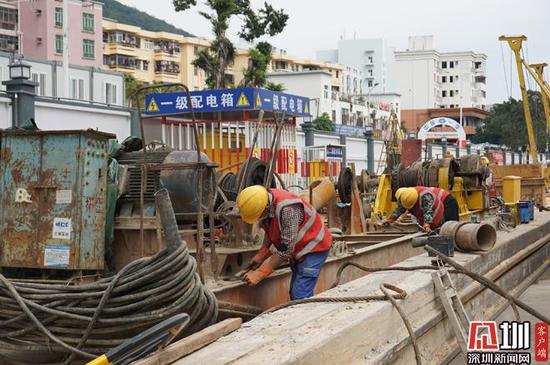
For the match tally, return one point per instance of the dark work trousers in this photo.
(450, 209)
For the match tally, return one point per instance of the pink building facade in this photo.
(42, 31)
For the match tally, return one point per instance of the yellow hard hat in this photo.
(484, 161)
(408, 198)
(399, 192)
(252, 202)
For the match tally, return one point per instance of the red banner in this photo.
(498, 157)
(541, 342)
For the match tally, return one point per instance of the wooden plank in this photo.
(525, 171)
(192, 343)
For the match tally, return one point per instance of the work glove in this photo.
(427, 228)
(259, 258)
(253, 277)
(387, 222)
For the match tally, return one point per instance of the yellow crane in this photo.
(537, 72)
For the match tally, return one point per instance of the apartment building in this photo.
(372, 57)
(42, 31)
(8, 27)
(87, 84)
(152, 57)
(350, 114)
(440, 84)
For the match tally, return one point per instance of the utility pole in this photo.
(66, 48)
(515, 44)
(368, 104)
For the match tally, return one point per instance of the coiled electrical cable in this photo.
(86, 320)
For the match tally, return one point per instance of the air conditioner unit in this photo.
(38, 12)
(38, 40)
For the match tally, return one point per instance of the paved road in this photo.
(537, 296)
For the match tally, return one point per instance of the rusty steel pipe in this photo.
(476, 237)
(450, 228)
(321, 193)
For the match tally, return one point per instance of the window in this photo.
(148, 44)
(145, 65)
(451, 79)
(444, 93)
(370, 59)
(452, 64)
(444, 79)
(451, 93)
(369, 83)
(138, 64)
(88, 48)
(444, 64)
(477, 65)
(110, 93)
(325, 93)
(87, 22)
(59, 44)
(77, 89)
(58, 17)
(41, 79)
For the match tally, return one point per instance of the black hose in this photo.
(89, 319)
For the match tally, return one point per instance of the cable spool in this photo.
(255, 174)
(476, 172)
(345, 181)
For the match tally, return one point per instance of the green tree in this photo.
(215, 59)
(275, 87)
(258, 61)
(323, 123)
(505, 123)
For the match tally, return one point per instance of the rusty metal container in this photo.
(53, 190)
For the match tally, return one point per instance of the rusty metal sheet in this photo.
(274, 289)
(61, 224)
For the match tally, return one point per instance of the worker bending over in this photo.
(431, 206)
(294, 228)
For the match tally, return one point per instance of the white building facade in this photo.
(427, 78)
(372, 57)
(86, 84)
(349, 114)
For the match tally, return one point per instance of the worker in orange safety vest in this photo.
(431, 206)
(295, 229)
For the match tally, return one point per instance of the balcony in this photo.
(167, 67)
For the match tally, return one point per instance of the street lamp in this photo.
(22, 92)
(368, 101)
(19, 70)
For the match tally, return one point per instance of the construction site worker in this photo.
(295, 229)
(431, 206)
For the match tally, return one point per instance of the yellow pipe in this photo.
(515, 44)
(323, 192)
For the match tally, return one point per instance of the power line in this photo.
(504, 69)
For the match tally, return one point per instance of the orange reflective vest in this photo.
(312, 236)
(439, 196)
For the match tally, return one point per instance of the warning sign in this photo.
(243, 101)
(153, 107)
(258, 101)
